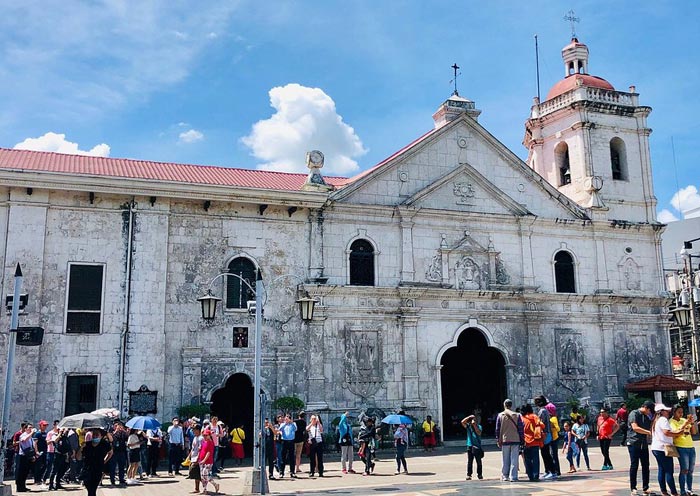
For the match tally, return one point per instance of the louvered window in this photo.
(237, 292)
(84, 312)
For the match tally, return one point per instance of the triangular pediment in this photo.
(459, 167)
(470, 191)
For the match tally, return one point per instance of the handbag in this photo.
(671, 451)
(186, 462)
(476, 451)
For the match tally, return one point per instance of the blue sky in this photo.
(165, 80)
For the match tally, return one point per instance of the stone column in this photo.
(316, 266)
(191, 375)
(408, 325)
(316, 390)
(406, 224)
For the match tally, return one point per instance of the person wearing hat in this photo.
(639, 429)
(661, 437)
(206, 459)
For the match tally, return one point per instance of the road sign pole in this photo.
(14, 323)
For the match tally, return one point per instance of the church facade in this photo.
(447, 277)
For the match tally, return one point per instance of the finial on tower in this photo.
(455, 68)
(571, 17)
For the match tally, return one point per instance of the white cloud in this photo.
(191, 136)
(666, 216)
(55, 142)
(304, 119)
(686, 200)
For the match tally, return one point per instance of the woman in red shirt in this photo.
(206, 460)
(607, 428)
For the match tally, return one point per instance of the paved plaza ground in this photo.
(441, 472)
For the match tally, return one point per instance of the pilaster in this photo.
(191, 375)
(316, 389)
(408, 323)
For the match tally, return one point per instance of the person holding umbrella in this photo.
(96, 454)
(401, 443)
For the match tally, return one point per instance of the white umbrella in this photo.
(112, 413)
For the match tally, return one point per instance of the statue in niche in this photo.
(631, 276)
(502, 276)
(572, 362)
(434, 272)
(363, 354)
(467, 274)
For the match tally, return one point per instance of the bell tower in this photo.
(591, 142)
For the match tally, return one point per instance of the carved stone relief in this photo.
(434, 271)
(572, 361)
(638, 355)
(363, 359)
(464, 192)
(467, 274)
(630, 275)
(502, 276)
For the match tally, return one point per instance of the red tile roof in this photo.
(661, 383)
(27, 160)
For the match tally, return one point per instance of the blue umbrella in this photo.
(397, 419)
(143, 423)
(694, 402)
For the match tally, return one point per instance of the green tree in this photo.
(288, 404)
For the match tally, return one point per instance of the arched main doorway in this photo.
(233, 404)
(473, 378)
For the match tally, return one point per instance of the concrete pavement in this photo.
(438, 473)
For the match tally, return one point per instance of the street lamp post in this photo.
(209, 303)
(684, 314)
(11, 341)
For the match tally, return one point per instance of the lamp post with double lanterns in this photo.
(209, 303)
(686, 284)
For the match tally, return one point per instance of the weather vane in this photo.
(571, 17)
(455, 67)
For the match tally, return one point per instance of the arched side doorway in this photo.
(473, 378)
(233, 404)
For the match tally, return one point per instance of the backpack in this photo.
(536, 430)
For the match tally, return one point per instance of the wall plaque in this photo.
(143, 401)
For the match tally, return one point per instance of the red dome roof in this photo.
(571, 82)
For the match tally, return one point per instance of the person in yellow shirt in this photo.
(429, 440)
(237, 438)
(554, 445)
(684, 445)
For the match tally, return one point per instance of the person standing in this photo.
(429, 440)
(288, 432)
(270, 433)
(237, 451)
(176, 447)
(41, 447)
(119, 462)
(401, 443)
(300, 439)
(366, 438)
(315, 433)
(607, 428)
(96, 453)
(533, 430)
(570, 448)
(345, 442)
(546, 451)
(621, 419)
(639, 430)
(133, 444)
(155, 437)
(195, 445)
(684, 444)
(62, 451)
(582, 433)
(554, 445)
(27, 453)
(50, 451)
(661, 437)
(474, 449)
(205, 460)
(509, 438)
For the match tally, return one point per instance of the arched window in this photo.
(237, 293)
(618, 159)
(561, 158)
(361, 263)
(564, 272)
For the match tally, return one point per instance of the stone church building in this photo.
(449, 276)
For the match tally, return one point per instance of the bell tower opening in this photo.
(473, 380)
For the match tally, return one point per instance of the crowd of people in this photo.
(126, 456)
